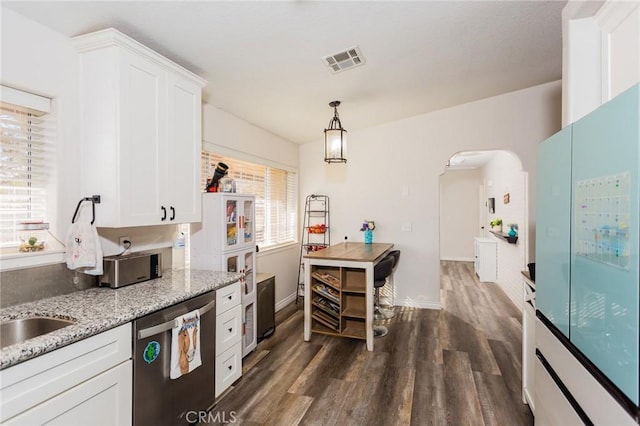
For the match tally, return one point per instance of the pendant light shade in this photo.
(335, 138)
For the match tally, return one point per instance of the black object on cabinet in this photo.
(266, 303)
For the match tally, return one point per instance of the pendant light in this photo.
(335, 138)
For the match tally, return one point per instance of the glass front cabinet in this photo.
(225, 241)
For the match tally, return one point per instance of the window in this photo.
(275, 191)
(28, 161)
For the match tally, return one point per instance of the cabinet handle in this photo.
(173, 213)
(230, 330)
(230, 297)
(164, 213)
(241, 222)
(230, 367)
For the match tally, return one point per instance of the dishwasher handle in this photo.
(150, 331)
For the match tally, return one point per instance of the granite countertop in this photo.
(99, 309)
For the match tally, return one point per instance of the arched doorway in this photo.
(470, 179)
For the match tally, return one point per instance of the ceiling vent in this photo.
(349, 58)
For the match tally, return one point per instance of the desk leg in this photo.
(369, 302)
(307, 301)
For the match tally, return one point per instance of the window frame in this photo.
(39, 106)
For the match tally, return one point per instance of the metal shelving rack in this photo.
(314, 236)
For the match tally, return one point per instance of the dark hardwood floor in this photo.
(457, 366)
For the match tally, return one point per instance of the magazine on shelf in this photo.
(327, 278)
(327, 292)
(332, 307)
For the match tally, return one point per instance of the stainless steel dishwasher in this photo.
(158, 399)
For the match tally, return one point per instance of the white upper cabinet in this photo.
(141, 133)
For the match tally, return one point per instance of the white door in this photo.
(482, 211)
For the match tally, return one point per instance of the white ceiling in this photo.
(263, 61)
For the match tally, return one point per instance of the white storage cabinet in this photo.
(228, 337)
(140, 131)
(88, 382)
(486, 259)
(225, 241)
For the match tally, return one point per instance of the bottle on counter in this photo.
(178, 251)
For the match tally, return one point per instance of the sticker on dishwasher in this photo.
(151, 352)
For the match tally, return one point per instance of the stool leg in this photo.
(382, 312)
(377, 313)
(380, 331)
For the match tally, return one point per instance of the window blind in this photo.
(275, 191)
(28, 163)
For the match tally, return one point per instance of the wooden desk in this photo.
(338, 290)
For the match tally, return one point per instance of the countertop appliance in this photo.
(587, 256)
(120, 271)
(158, 399)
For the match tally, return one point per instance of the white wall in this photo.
(241, 139)
(504, 172)
(459, 212)
(406, 157)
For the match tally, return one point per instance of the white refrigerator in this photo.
(225, 241)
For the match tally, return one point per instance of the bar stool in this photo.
(395, 254)
(380, 274)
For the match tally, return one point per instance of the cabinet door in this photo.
(247, 222)
(244, 262)
(486, 259)
(142, 138)
(228, 368)
(102, 400)
(232, 227)
(228, 329)
(553, 213)
(184, 145)
(239, 213)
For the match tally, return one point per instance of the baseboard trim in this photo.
(458, 259)
(286, 301)
(410, 303)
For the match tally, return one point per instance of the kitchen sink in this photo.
(19, 330)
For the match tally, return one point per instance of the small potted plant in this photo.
(496, 224)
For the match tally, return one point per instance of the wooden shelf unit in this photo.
(349, 285)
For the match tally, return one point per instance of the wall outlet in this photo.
(122, 244)
(406, 227)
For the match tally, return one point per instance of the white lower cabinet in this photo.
(228, 368)
(565, 390)
(228, 337)
(553, 408)
(486, 259)
(228, 329)
(101, 400)
(88, 382)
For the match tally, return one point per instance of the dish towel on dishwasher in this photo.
(84, 251)
(185, 344)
